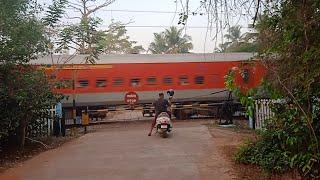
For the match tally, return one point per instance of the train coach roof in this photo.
(145, 58)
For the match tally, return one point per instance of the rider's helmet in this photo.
(170, 92)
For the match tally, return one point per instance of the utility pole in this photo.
(74, 110)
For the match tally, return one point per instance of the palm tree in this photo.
(171, 41)
(159, 45)
(234, 34)
(238, 42)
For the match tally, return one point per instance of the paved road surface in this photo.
(126, 152)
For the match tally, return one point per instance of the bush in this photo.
(284, 144)
(264, 154)
(25, 95)
(289, 34)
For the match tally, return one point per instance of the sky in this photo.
(143, 35)
(202, 38)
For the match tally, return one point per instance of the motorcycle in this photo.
(163, 124)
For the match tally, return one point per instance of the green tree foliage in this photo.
(290, 49)
(245, 96)
(234, 34)
(55, 12)
(25, 97)
(171, 41)
(83, 36)
(25, 93)
(21, 34)
(238, 42)
(115, 41)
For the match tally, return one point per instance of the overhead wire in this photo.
(196, 12)
(152, 26)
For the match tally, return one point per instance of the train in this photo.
(195, 77)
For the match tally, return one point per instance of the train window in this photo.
(135, 82)
(245, 75)
(101, 83)
(183, 80)
(83, 83)
(117, 82)
(167, 80)
(151, 80)
(199, 80)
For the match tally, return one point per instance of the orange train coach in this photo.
(193, 77)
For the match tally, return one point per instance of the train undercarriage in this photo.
(223, 110)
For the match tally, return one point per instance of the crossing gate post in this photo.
(63, 124)
(85, 119)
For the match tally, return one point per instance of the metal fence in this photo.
(43, 126)
(39, 128)
(262, 111)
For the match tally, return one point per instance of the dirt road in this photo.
(126, 152)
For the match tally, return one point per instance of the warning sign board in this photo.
(131, 98)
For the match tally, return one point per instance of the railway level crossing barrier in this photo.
(262, 111)
(220, 106)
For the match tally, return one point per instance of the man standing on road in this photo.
(160, 105)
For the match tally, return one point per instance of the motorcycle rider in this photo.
(160, 105)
